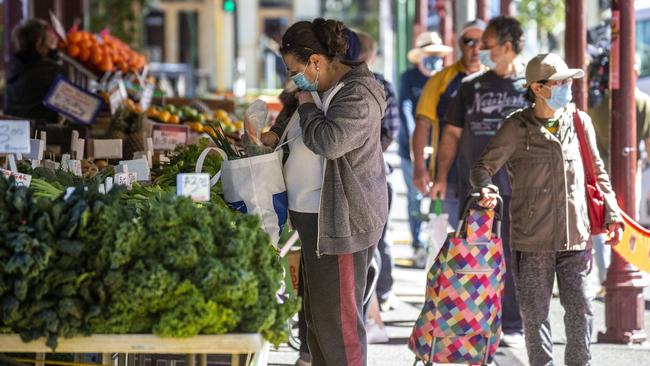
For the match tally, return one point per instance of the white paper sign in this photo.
(115, 99)
(58, 27)
(73, 101)
(168, 137)
(21, 179)
(65, 158)
(193, 185)
(107, 148)
(122, 179)
(37, 148)
(146, 96)
(14, 137)
(75, 167)
(138, 166)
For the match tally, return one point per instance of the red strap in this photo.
(585, 151)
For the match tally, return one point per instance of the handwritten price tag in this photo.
(123, 179)
(146, 96)
(14, 137)
(193, 185)
(21, 179)
(73, 101)
(168, 137)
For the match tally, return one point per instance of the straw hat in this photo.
(427, 43)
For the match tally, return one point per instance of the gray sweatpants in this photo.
(334, 286)
(534, 274)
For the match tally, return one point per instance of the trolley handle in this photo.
(473, 198)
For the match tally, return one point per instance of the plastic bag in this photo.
(255, 121)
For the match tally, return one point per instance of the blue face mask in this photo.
(302, 83)
(560, 96)
(485, 59)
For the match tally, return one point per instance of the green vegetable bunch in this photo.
(90, 263)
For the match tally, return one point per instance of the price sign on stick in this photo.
(73, 101)
(14, 137)
(146, 96)
(193, 185)
(21, 179)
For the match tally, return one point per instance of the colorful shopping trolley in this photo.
(461, 318)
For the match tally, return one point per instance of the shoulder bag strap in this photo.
(585, 151)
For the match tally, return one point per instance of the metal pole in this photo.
(507, 8)
(483, 9)
(624, 303)
(446, 27)
(575, 46)
(421, 17)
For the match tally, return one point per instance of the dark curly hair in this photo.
(324, 37)
(507, 29)
(28, 34)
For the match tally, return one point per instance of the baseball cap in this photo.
(428, 43)
(474, 24)
(549, 66)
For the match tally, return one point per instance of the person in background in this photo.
(429, 122)
(340, 232)
(550, 227)
(33, 70)
(426, 60)
(390, 126)
(483, 101)
(600, 114)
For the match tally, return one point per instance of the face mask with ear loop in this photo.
(301, 80)
(560, 96)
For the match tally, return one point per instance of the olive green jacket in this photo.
(548, 211)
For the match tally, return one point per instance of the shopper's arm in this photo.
(446, 155)
(418, 143)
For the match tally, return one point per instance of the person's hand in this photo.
(304, 97)
(269, 139)
(439, 189)
(421, 180)
(614, 233)
(488, 198)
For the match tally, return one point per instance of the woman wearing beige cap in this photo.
(550, 226)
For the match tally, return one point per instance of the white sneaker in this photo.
(391, 302)
(512, 340)
(375, 333)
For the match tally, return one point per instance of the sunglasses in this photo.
(471, 42)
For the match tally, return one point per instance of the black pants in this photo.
(333, 294)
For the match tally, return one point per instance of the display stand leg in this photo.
(203, 359)
(107, 359)
(234, 360)
(191, 359)
(40, 359)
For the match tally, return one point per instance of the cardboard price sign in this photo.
(168, 137)
(73, 101)
(193, 185)
(14, 137)
(21, 179)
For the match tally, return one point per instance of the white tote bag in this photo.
(254, 185)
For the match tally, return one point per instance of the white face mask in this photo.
(485, 59)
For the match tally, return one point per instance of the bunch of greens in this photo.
(91, 264)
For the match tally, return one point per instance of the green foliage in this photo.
(548, 14)
(123, 18)
(93, 264)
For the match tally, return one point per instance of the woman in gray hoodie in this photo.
(342, 205)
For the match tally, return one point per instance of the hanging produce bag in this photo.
(254, 185)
